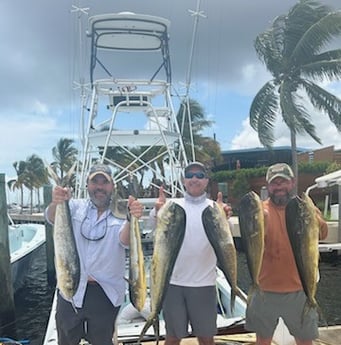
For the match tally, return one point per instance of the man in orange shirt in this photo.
(281, 293)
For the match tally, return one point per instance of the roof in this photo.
(264, 149)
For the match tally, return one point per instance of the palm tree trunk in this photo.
(21, 199)
(31, 203)
(294, 157)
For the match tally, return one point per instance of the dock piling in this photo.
(51, 272)
(7, 307)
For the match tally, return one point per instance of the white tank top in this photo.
(196, 261)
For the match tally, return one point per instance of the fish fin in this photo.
(127, 280)
(74, 306)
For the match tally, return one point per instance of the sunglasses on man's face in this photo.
(200, 175)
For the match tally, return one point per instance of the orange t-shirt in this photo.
(278, 272)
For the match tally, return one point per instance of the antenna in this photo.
(196, 14)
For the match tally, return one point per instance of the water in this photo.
(328, 290)
(34, 301)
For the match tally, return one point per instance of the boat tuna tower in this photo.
(128, 119)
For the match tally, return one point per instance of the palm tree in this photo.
(35, 176)
(30, 174)
(292, 51)
(19, 181)
(65, 154)
(192, 121)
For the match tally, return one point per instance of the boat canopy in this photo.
(127, 31)
(329, 179)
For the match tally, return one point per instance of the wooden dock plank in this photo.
(328, 336)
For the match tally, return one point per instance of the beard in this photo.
(100, 203)
(280, 200)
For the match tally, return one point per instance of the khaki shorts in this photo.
(196, 306)
(265, 309)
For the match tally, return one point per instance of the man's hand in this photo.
(161, 199)
(60, 194)
(135, 207)
(225, 207)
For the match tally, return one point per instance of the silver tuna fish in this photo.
(169, 235)
(303, 230)
(66, 255)
(137, 275)
(219, 234)
(251, 225)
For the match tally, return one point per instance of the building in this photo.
(258, 157)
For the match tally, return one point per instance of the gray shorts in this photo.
(95, 321)
(265, 308)
(196, 306)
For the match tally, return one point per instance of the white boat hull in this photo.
(24, 242)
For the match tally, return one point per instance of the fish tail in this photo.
(145, 328)
(232, 301)
(236, 292)
(309, 305)
(241, 295)
(53, 175)
(321, 315)
(156, 327)
(65, 181)
(252, 290)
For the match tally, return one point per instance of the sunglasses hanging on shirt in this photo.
(96, 237)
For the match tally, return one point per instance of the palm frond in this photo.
(299, 19)
(294, 113)
(325, 101)
(264, 105)
(269, 46)
(323, 69)
(263, 113)
(320, 33)
(327, 56)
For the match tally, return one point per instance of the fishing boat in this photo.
(25, 240)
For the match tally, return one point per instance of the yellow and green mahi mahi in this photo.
(66, 255)
(137, 274)
(169, 235)
(251, 225)
(303, 231)
(219, 235)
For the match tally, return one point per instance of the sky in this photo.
(43, 59)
